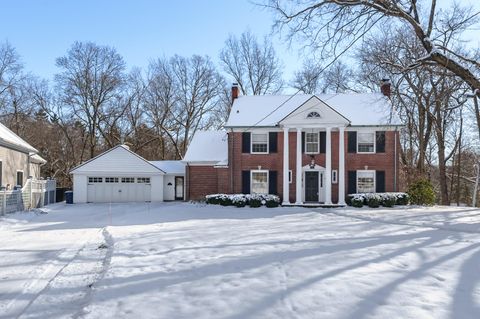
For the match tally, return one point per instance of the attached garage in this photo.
(118, 175)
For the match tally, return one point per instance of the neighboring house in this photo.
(120, 175)
(18, 160)
(305, 148)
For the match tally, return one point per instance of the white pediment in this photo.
(314, 112)
(117, 160)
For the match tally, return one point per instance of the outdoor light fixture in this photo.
(312, 162)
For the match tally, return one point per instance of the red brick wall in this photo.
(203, 180)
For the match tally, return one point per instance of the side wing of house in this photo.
(14, 167)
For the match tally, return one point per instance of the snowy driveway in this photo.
(191, 261)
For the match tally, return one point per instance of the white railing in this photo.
(35, 194)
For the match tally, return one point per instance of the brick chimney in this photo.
(385, 87)
(234, 91)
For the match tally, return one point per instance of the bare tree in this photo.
(89, 83)
(10, 73)
(314, 78)
(253, 65)
(198, 88)
(331, 26)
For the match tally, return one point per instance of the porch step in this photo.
(314, 205)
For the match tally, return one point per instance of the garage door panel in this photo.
(104, 192)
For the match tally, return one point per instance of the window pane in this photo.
(365, 182)
(365, 137)
(259, 148)
(368, 148)
(259, 182)
(311, 144)
(260, 138)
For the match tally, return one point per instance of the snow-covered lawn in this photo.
(179, 260)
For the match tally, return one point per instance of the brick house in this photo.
(304, 148)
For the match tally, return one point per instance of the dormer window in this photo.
(313, 115)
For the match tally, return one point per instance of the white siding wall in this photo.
(157, 188)
(79, 188)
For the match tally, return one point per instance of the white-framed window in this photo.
(365, 181)
(95, 179)
(290, 176)
(259, 143)
(313, 115)
(111, 179)
(128, 179)
(334, 176)
(259, 182)
(366, 142)
(143, 180)
(312, 143)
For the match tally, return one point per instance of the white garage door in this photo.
(118, 189)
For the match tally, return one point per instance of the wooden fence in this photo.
(35, 194)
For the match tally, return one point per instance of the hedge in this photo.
(242, 200)
(374, 200)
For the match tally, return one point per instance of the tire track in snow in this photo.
(400, 223)
(109, 244)
(70, 290)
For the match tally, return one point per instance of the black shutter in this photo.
(323, 142)
(303, 142)
(246, 142)
(380, 181)
(272, 182)
(352, 182)
(246, 182)
(1, 170)
(272, 142)
(380, 141)
(352, 142)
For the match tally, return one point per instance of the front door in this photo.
(179, 187)
(311, 187)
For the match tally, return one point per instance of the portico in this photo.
(313, 176)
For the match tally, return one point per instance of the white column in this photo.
(328, 168)
(341, 166)
(286, 192)
(298, 182)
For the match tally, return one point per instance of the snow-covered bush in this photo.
(272, 201)
(255, 200)
(241, 200)
(356, 200)
(402, 199)
(389, 201)
(374, 200)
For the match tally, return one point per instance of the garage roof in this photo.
(118, 160)
(170, 167)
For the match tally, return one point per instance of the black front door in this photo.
(311, 186)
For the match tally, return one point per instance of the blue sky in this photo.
(42, 30)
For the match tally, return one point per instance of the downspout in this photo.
(395, 162)
(187, 182)
(230, 160)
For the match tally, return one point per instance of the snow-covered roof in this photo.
(361, 109)
(10, 139)
(170, 167)
(35, 158)
(117, 160)
(208, 147)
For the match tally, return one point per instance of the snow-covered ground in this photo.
(178, 260)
